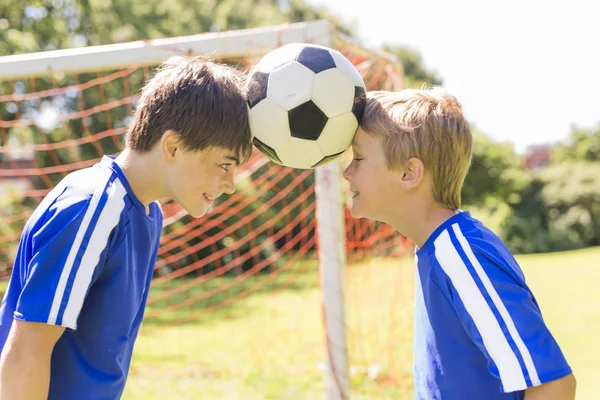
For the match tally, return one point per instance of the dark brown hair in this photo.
(203, 101)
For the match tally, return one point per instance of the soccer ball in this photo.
(306, 102)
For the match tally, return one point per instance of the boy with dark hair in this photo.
(76, 298)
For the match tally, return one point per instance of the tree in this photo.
(58, 24)
(494, 171)
(572, 193)
(557, 209)
(583, 144)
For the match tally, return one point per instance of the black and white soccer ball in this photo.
(306, 102)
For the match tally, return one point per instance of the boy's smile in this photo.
(210, 199)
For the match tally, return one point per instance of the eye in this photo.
(225, 166)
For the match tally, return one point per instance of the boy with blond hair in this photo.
(79, 285)
(479, 332)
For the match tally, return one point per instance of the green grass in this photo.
(566, 287)
(269, 345)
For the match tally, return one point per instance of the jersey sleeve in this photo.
(68, 246)
(500, 314)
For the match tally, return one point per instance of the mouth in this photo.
(354, 193)
(210, 199)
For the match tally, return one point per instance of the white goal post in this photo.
(252, 43)
(244, 42)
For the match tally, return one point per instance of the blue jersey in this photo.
(85, 262)
(479, 332)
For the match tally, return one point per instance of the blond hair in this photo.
(427, 124)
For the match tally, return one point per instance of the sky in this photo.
(524, 71)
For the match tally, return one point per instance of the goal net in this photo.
(252, 267)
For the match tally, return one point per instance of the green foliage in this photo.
(583, 144)
(58, 24)
(494, 172)
(557, 209)
(572, 192)
(572, 183)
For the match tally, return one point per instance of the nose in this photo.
(346, 173)
(228, 184)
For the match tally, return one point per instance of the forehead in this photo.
(219, 153)
(363, 141)
(358, 138)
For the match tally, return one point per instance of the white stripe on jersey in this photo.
(108, 218)
(512, 329)
(475, 304)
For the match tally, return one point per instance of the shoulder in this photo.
(87, 196)
(159, 210)
(489, 249)
(466, 234)
(468, 247)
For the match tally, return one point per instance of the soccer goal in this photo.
(63, 110)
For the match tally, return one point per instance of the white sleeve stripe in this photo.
(478, 308)
(108, 219)
(66, 271)
(512, 329)
(83, 228)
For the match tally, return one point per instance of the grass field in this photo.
(270, 346)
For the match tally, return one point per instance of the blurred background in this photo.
(235, 311)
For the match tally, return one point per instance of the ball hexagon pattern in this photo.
(333, 93)
(290, 85)
(307, 121)
(306, 102)
(272, 121)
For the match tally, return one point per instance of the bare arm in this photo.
(560, 389)
(25, 360)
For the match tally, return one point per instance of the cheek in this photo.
(388, 189)
(375, 183)
(365, 178)
(186, 181)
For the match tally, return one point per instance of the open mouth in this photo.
(354, 193)
(209, 198)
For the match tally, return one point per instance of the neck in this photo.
(421, 222)
(141, 172)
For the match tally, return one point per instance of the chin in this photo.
(196, 212)
(355, 209)
(356, 212)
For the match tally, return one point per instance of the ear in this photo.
(412, 174)
(169, 145)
